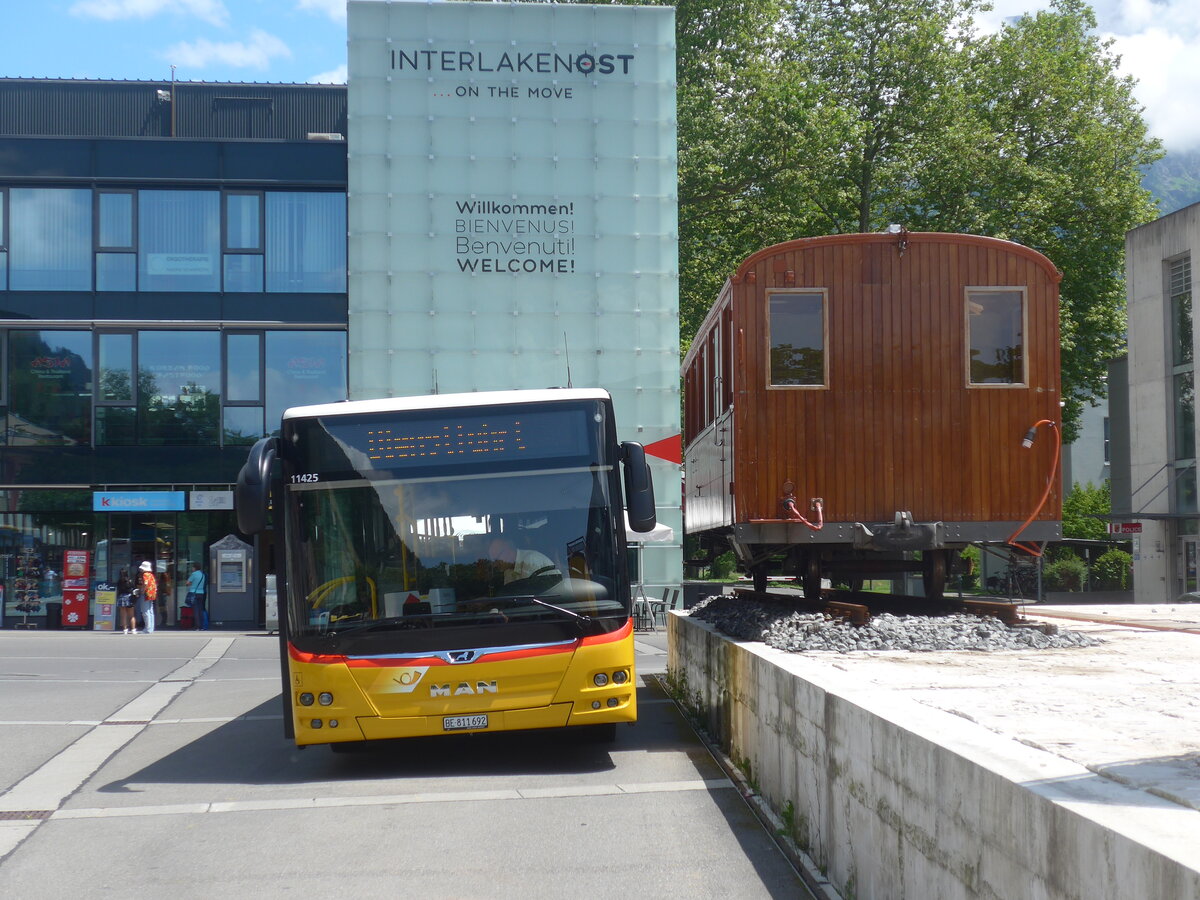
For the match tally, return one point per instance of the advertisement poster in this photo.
(76, 569)
(104, 614)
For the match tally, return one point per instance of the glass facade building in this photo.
(170, 282)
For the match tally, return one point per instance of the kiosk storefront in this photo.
(41, 529)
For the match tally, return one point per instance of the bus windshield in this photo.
(391, 535)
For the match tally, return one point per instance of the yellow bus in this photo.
(451, 563)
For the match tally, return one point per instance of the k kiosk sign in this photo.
(513, 209)
(138, 501)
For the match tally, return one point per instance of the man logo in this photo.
(404, 681)
(481, 687)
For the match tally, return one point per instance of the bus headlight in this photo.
(325, 698)
(316, 723)
(600, 679)
(620, 676)
(306, 699)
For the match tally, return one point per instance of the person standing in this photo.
(147, 596)
(197, 590)
(125, 601)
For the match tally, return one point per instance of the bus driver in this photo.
(519, 563)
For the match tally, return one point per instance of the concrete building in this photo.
(1160, 492)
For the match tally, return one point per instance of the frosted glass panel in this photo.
(491, 175)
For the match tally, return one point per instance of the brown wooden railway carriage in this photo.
(892, 376)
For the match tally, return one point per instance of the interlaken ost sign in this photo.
(512, 173)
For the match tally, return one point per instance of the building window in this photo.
(116, 252)
(1180, 277)
(1107, 440)
(242, 417)
(179, 387)
(1183, 378)
(796, 338)
(116, 389)
(996, 336)
(113, 239)
(191, 388)
(306, 242)
(3, 240)
(1185, 415)
(1185, 493)
(242, 425)
(303, 367)
(49, 388)
(243, 249)
(50, 239)
(179, 239)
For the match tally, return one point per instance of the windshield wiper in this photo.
(374, 624)
(581, 620)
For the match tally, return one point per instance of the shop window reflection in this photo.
(303, 367)
(179, 379)
(49, 388)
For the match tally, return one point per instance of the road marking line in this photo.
(293, 803)
(12, 833)
(60, 776)
(205, 720)
(149, 703)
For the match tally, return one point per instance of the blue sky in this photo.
(305, 41)
(206, 40)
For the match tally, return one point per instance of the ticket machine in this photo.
(231, 594)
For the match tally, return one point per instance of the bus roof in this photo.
(444, 401)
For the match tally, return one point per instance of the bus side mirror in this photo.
(639, 487)
(252, 495)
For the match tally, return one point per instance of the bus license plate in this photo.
(458, 723)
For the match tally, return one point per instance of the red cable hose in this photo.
(1033, 549)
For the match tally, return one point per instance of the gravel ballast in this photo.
(799, 632)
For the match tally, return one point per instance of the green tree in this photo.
(1062, 148)
(1080, 508)
(827, 116)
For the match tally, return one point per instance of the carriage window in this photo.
(996, 331)
(796, 332)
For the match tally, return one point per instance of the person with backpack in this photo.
(125, 595)
(197, 588)
(147, 596)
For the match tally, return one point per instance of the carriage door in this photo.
(1189, 551)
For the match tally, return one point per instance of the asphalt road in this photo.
(154, 766)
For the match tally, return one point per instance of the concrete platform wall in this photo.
(893, 799)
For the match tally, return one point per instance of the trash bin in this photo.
(54, 615)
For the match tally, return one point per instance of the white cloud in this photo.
(211, 11)
(255, 53)
(1158, 41)
(340, 75)
(335, 9)
(1168, 82)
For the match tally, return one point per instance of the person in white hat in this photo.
(147, 595)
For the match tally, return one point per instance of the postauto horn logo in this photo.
(403, 681)
(516, 62)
